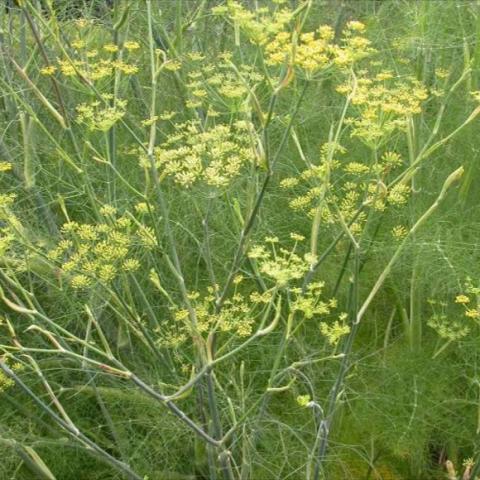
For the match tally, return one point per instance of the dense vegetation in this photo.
(239, 239)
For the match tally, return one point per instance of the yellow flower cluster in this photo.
(7, 382)
(310, 303)
(356, 168)
(259, 26)
(281, 265)
(447, 328)
(399, 232)
(99, 116)
(214, 86)
(7, 219)
(311, 51)
(317, 179)
(332, 185)
(391, 160)
(470, 300)
(303, 400)
(50, 70)
(334, 332)
(172, 65)
(89, 64)
(452, 329)
(354, 46)
(320, 194)
(398, 194)
(237, 317)
(100, 252)
(384, 104)
(316, 50)
(349, 204)
(131, 46)
(214, 156)
(92, 71)
(462, 299)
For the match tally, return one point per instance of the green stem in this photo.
(70, 429)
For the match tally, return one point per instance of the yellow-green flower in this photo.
(5, 166)
(110, 47)
(303, 400)
(461, 299)
(50, 70)
(334, 332)
(131, 46)
(80, 281)
(399, 232)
